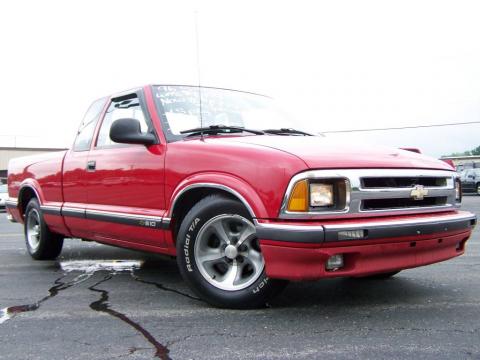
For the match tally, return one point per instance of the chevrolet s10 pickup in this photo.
(221, 180)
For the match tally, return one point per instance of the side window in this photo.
(129, 108)
(87, 127)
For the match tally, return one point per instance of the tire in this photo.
(41, 243)
(219, 256)
(381, 276)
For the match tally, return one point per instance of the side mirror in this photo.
(128, 131)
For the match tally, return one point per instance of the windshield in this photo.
(181, 106)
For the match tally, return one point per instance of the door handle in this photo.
(91, 165)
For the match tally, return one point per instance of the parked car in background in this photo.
(470, 181)
(3, 195)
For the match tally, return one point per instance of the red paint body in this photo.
(144, 181)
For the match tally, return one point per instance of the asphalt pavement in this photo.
(101, 302)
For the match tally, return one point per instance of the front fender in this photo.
(226, 182)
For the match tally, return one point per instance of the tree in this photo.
(475, 151)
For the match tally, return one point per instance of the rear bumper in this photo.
(299, 252)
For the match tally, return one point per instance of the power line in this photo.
(401, 128)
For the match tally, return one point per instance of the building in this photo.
(464, 162)
(7, 153)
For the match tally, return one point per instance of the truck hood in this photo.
(321, 153)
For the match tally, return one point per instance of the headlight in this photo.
(317, 195)
(321, 195)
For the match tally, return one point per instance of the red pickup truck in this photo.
(221, 180)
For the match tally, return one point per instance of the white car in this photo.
(3, 196)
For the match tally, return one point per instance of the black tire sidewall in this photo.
(254, 295)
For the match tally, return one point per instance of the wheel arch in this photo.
(188, 195)
(25, 194)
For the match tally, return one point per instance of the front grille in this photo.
(401, 191)
(402, 203)
(402, 182)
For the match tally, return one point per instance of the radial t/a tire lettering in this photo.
(219, 256)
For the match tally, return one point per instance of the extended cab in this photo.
(219, 179)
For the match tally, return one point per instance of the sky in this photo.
(333, 65)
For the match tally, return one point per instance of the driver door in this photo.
(125, 183)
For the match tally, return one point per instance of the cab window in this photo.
(87, 127)
(121, 109)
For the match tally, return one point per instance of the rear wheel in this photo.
(219, 255)
(41, 243)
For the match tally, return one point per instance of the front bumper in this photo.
(300, 251)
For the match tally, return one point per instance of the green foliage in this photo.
(475, 151)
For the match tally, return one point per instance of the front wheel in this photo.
(41, 243)
(219, 255)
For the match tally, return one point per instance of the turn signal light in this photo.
(299, 197)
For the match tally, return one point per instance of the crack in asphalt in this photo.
(12, 311)
(102, 305)
(163, 287)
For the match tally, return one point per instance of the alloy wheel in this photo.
(227, 252)
(33, 229)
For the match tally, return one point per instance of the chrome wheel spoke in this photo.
(255, 259)
(211, 256)
(231, 275)
(220, 231)
(246, 232)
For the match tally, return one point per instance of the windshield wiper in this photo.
(286, 131)
(217, 129)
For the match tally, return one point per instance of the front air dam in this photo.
(307, 263)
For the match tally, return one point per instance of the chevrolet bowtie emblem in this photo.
(418, 192)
